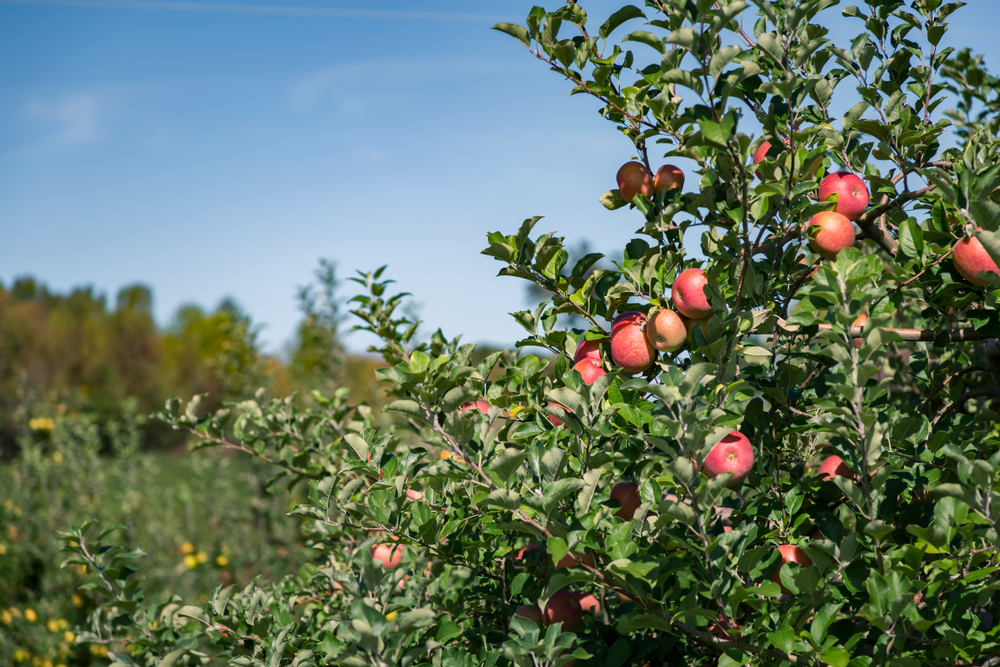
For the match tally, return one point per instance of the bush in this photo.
(790, 486)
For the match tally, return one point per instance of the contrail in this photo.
(205, 7)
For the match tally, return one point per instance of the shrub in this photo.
(487, 495)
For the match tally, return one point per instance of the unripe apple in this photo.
(563, 607)
(731, 454)
(390, 555)
(829, 233)
(588, 602)
(834, 466)
(588, 349)
(630, 349)
(633, 178)
(860, 322)
(530, 612)
(970, 257)
(760, 154)
(665, 330)
(480, 404)
(852, 194)
(688, 294)
(790, 554)
(628, 495)
(668, 176)
(589, 370)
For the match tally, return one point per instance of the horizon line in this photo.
(210, 7)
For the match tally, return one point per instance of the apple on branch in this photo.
(829, 233)
(589, 369)
(564, 607)
(628, 495)
(970, 258)
(731, 454)
(852, 194)
(630, 349)
(668, 177)
(665, 330)
(688, 294)
(633, 179)
(790, 554)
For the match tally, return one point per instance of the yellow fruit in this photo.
(76, 600)
(190, 561)
(53, 625)
(69, 636)
(187, 548)
(81, 569)
(62, 623)
(5, 617)
(202, 557)
(445, 455)
(221, 561)
(3, 548)
(392, 616)
(57, 457)
(30, 615)
(16, 612)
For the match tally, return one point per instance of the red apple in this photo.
(628, 495)
(555, 421)
(633, 178)
(665, 330)
(860, 322)
(668, 176)
(688, 294)
(563, 607)
(731, 454)
(834, 466)
(413, 494)
(829, 233)
(390, 555)
(760, 154)
(630, 349)
(790, 554)
(589, 369)
(852, 194)
(970, 257)
(573, 558)
(479, 404)
(530, 612)
(588, 349)
(588, 602)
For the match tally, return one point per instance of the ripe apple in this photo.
(563, 607)
(668, 176)
(860, 322)
(633, 178)
(480, 404)
(589, 369)
(689, 325)
(688, 294)
(760, 154)
(630, 349)
(628, 495)
(731, 454)
(588, 602)
(790, 554)
(852, 194)
(588, 349)
(390, 555)
(834, 466)
(829, 233)
(666, 331)
(970, 257)
(530, 612)
(574, 557)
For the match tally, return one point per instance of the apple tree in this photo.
(776, 442)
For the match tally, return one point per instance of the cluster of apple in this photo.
(829, 231)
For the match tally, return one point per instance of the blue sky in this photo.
(211, 151)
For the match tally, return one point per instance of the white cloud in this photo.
(73, 120)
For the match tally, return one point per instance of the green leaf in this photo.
(986, 214)
(647, 38)
(911, 239)
(518, 32)
(836, 657)
(721, 59)
(783, 639)
(626, 13)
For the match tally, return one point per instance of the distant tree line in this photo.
(77, 352)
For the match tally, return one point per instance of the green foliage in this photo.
(492, 504)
